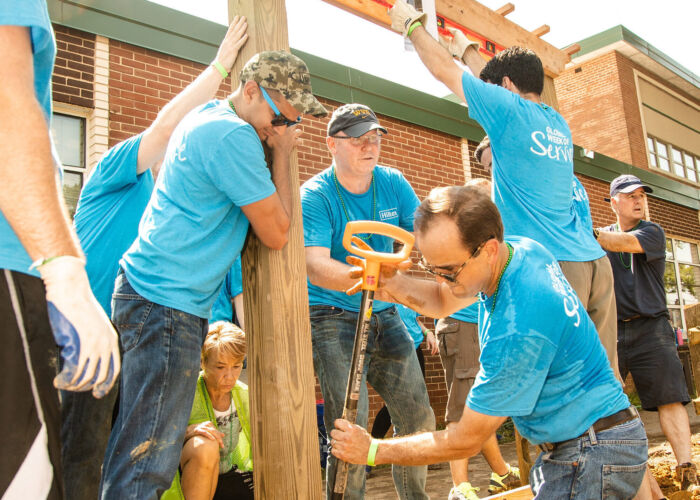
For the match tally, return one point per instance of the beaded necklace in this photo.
(498, 283)
(620, 254)
(230, 103)
(342, 201)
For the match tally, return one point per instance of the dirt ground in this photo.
(663, 464)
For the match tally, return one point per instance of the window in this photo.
(682, 282)
(69, 137)
(672, 159)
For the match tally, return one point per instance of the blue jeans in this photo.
(160, 366)
(607, 464)
(391, 367)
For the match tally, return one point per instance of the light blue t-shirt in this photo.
(533, 169)
(410, 321)
(325, 219)
(541, 360)
(107, 217)
(230, 288)
(468, 314)
(581, 205)
(193, 228)
(33, 15)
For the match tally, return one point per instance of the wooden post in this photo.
(522, 446)
(280, 368)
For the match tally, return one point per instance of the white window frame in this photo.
(676, 265)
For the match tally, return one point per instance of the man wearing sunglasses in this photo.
(354, 187)
(541, 361)
(214, 184)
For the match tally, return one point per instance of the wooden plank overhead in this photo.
(489, 24)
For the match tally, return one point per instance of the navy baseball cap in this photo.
(626, 184)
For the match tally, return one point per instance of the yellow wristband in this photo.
(220, 68)
(372, 453)
(413, 26)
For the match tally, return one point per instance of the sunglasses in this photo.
(279, 118)
(365, 140)
(451, 277)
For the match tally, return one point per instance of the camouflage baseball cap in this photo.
(285, 72)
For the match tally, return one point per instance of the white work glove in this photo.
(88, 342)
(458, 44)
(403, 15)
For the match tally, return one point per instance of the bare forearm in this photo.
(473, 60)
(280, 178)
(426, 297)
(425, 448)
(30, 198)
(619, 242)
(330, 273)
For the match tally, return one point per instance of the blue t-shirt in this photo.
(541, 360)
(410, 321)
(582, 207)
(324, 221)
(533, 170)
(230, 288)
(468, 314)
(33, 15)
(107, 217)
(193, 228)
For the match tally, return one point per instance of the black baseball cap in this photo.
(355, 120)
(626, 183)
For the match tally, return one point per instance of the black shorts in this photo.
(30, 462)
(235, 484)
(646, 348)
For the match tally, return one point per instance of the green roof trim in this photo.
(141, 23)
(620, 33)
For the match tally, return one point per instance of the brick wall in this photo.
(591, 100)
(141, 82)
(74, 70)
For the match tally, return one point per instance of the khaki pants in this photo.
(593, 283)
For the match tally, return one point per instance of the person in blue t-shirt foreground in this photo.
(45, 295)
(646, 341)
(213, 184)
(228, 305)
(541, 360)
(106, 221)
(354, 187)
(532, 153)
(458, 336)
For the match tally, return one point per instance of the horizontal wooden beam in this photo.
(542, 30)
(505, 10)
(476, 18)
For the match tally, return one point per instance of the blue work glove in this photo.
(88, 342)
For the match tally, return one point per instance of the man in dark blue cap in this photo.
(646, 342)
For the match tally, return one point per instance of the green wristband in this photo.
(372, 453)
(220, 68)
(42, 262)
(413, 26)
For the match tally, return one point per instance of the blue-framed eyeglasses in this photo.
(279, 118)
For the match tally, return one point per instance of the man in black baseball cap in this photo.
(646, 342)
(354, 187)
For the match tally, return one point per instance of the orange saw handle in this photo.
(374, 260)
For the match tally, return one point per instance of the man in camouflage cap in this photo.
(213, 184)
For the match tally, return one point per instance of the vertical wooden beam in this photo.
(280, 367)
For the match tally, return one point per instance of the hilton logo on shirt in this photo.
(390, 213)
